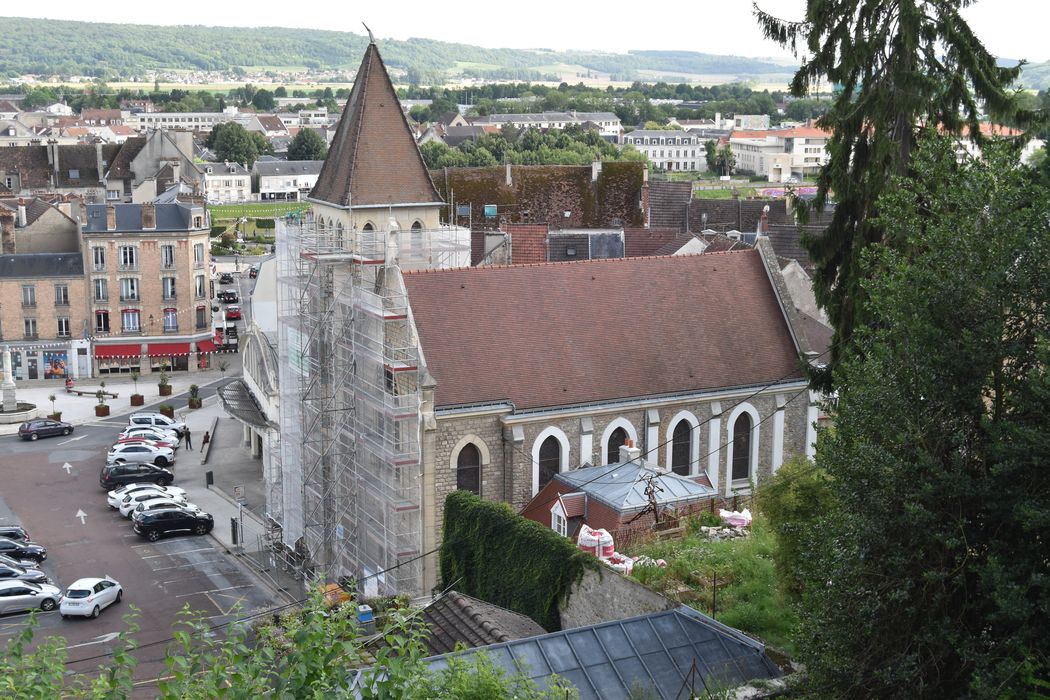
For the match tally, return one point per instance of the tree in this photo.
(725, 161)
(920, 63)
(927, 579)
(236, 144)
(263, 101)
(281, 91)
(307, 145)
(711, 154)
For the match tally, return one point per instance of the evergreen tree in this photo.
(895, 66)
(928, 577)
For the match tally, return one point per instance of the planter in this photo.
(102, 410)
(137, 399)
(194, 403)
(164, 389)
(168, 411)
(57, 415)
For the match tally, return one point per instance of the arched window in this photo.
(616, 439)
(681, 447)
(742, 447)
(416, 238)
(468, 469)
(550, 459)
(369, 227)
(417, 225)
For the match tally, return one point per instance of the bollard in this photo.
(209, 478)
(233, 530)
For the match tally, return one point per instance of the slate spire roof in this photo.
(373, 159)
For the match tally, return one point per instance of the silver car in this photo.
(19, 596)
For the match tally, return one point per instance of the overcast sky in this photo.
(1009, 28)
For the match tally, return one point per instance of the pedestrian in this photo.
(204, 442)
(187, 437)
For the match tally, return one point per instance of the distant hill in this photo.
(110, 51)
(1036, 76)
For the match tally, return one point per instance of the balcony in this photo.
(171, 329)
(170, 297)
(98, 267)
(167, 265)
(31, 336)
(61, 302)
(103, 299)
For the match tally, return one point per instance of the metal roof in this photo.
(33, 265)
(237, 399)
(620, 486)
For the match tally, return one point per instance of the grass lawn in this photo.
(255, 210)
(748, 595)
(724, 193)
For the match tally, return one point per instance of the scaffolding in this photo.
(351, 399)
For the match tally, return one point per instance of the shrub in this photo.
(265, 223)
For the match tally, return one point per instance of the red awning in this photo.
(168, 349)
(206, 345)
(104, 351)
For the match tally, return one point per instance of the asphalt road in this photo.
(38, 490)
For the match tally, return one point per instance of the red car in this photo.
(233, 313)
(145, 441)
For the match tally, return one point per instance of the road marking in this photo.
(101, 639)
(82, 515)
(172, 554)
(215, 590)
(78, 437)
(237, 600)
(196, 563)
(68, 467)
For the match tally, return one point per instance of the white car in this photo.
(140, 453)
(116, 496)
(131, 502)
(164, 504)
(88, 596)
(148, 432)
(156, 420)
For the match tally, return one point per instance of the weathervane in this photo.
(371, 39)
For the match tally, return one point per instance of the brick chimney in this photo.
(628, 452)
(111, 217)
(149, 216)
(7, 231)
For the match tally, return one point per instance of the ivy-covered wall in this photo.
(492, 553)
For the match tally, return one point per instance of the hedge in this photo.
(265, 223)
(490, 552)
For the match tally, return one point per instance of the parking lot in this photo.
(51, 487)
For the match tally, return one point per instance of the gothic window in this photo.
(468, 469)
(612, 450)
(742, 447)
(681, 447)
(550, 459)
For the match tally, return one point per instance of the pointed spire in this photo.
(371, 38)
(374, 158)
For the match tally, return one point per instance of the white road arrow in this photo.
(101, 639)
(68, 467)
(81, 514)
(78, 437)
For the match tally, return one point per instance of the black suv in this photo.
(14, 532)
(22, 550)
(160, 523)
(114, 475)
(226, 278)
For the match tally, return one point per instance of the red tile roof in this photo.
(373, 158)
(591, 331)
(639, 242)
(528, 243)
(574, 503)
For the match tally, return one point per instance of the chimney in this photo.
(54, 146)
(596, 170)
(7, 231)
(149, 216)
(111, 217)
(628, 452)
(98, 160)
(763, 221)
(176, 167)
(21, 213)
(510, 180)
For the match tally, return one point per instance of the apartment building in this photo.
(782, 155)
(669, 149)
(286, 180)
(607, 123)
(226, 183)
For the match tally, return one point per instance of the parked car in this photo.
(114, 475)
(116, 496)
(19, 573)
(253, 272)
(14, 532)
(17, 561)
(226, 278)
(233, 313)
(140, 453)
(89, 596)
(156, 420)
(132, 501)
(44, 427)
(171, 443)
(154, 504)
(19, 596)
(162, 523)
(22, 550)
(228, 296)
(150, 432)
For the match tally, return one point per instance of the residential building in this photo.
(751, 122)
(268, 125)
(607, 123)
(102, 117)
(226, 183)
(8, 110)
(286, 180)
(42, 292)
(191, 121)
(782, 155)
(670, 149)
(148, 286)
(59, 108)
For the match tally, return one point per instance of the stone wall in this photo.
(606, 596)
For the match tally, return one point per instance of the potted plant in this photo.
(222, 368)
(102, 409)
(195, 400)
(137, 399)
(164, 387)
(167, 409)
(55, 415)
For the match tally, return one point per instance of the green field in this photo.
(255, 210)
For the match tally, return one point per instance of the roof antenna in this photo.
(371, 39)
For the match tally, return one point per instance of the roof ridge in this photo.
(550, 263)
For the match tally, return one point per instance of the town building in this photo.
(781, 155)
(286, 180)
(226, 183)
(670, 149)
(607, 123)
